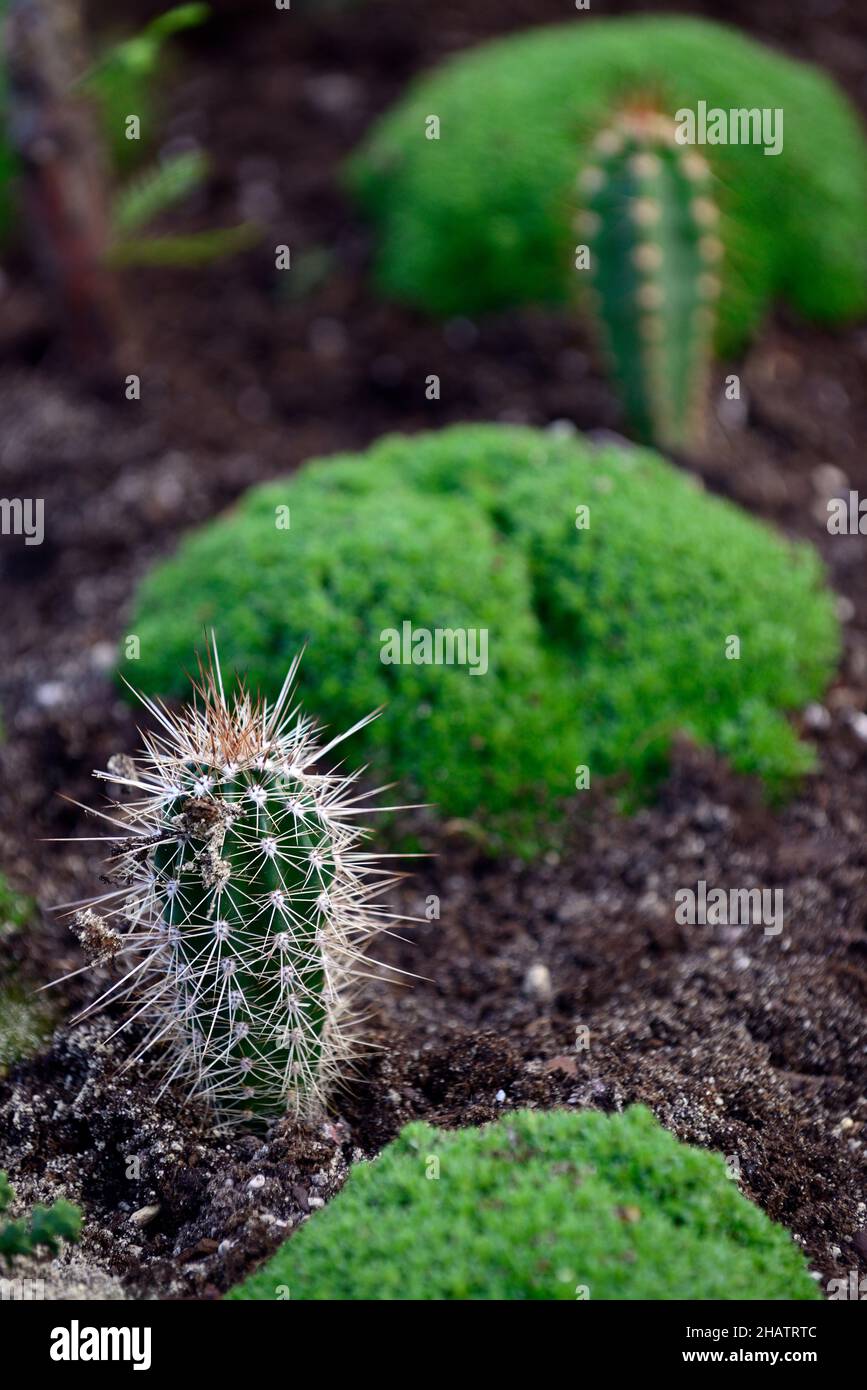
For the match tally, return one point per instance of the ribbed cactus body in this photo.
(649, 220)
(247, 901)
(246, 875)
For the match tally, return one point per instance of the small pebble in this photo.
(828, 480)
(144, 1215)
(537, 982)
(500, 1097)
(50, 693)
(259, 201)
(817, 717)
(333, 93)
(103, 655)
(733, 413)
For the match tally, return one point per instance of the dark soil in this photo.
(750, 1044)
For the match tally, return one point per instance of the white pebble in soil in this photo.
(816, 717)
(537, 982)
(858, 724)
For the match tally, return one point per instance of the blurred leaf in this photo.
(141, 53)
(123, 80)
(158, 188)
(183, 252)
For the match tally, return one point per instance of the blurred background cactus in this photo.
(480, 217)
(650, 223)
(247, 895)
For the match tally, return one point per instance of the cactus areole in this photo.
(246, 895)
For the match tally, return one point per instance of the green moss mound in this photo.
(482, 218)
(25, 1024)
(603, 643)
(553, 1205)
(44, 1229)
(26, 1019)
(15, 909)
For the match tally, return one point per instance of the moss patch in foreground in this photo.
(25, 1017)
(541, 1205)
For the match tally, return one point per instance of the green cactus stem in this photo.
(649, 219)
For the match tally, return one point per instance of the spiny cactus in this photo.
(248, 901)
(650, 222)
(45, 1227)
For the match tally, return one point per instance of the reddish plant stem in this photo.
(64, 189)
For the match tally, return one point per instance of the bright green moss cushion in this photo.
(15, 909)
(541, 1205)
(603, 642)
(482, 218)
(25, 1017)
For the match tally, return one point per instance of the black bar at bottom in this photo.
(265, 1340)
